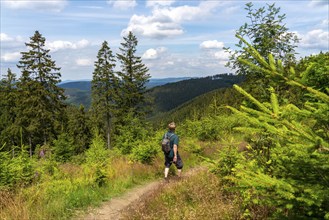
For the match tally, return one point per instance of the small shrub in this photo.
(63, 148)
(145, 152)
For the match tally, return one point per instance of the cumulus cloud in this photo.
(211, 44)
(315, 3)
(11, 43)
(49, 5)
(122, 5)
(11, 57)
(60, 45)
(152, 54)
(167, 21)
(318, 39)
(83, 62)
(154, 3)
(221, 55)
(6, 38)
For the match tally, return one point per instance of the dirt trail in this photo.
(113, 208)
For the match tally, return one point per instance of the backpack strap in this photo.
(169, 136)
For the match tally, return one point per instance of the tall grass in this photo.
(198, 197)
(63, 189)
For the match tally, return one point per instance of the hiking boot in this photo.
(166, 180)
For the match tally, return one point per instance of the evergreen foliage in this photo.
(133, 78)
(268, 34)
(78, 127)
(286, 167)
(16, 170)
(63, 147)
(314, 71)
(8, 96)
(104, 87)
(40, 100)
(132, 132)
(172, 95)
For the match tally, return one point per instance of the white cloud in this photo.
(166, 21)
(5, 37)
(315, 39)
(221, 55)
(59, 45)
(84, 62)
(154, 3)
(49, 5)
(211, 44)
(119, 4)
(318, 3)
(11, 57)
(152, 54)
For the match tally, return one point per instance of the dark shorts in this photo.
(169, 161)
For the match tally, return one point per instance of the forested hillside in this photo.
(165, 94)
(172, 95)
(206, 104)
(79, 92)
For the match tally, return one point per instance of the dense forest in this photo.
(264, 141)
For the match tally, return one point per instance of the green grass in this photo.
(199, 196)
(73, 188)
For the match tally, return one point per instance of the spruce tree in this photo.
(104, 88)
(8, 97)
(133, 78)
(287, 163)
(78, 128)
(40, 106)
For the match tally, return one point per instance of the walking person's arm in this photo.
(175, 153)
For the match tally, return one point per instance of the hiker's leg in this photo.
(167, 165)
(179, 165)
(179, 172)
(166, 172)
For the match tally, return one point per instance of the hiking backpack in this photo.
(166, 143)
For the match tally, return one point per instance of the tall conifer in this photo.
(8, 97)
(40, 99)
(104, 91)
(134, 76)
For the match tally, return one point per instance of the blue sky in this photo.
(176, 38)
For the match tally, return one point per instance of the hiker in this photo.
(172, 156)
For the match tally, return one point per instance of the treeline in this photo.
(172, 95)
(34, 115)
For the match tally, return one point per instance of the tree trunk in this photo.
(30, 140)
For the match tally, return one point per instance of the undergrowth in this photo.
(198, 196)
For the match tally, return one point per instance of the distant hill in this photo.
(78, 92)
(200, 106)
(172, 95)
(169, 94)
(86, 84)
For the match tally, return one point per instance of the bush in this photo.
(17, 169)
(211, 128)
(63, 148)
(145, 151)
